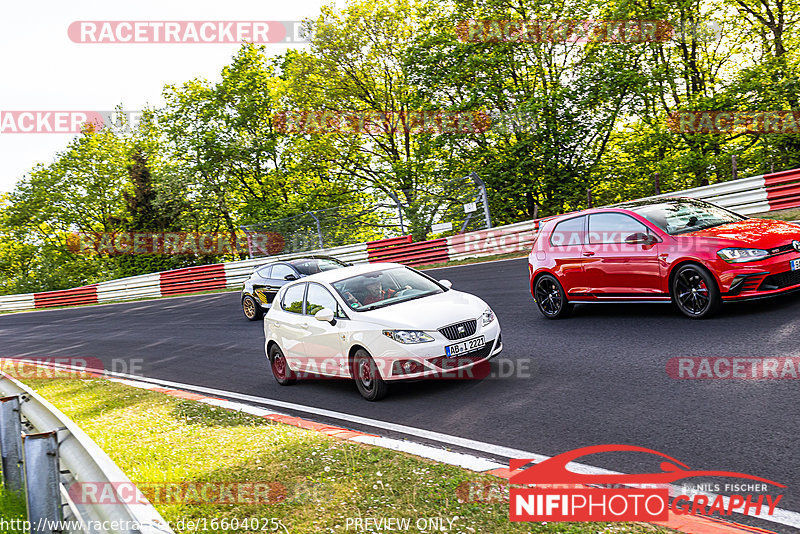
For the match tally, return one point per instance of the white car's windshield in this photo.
(383, 288)
(682, 216)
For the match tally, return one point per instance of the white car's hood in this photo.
(427, 313)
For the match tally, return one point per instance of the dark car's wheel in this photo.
(280, 369)
(251, 308)
(695, 292)
(368, 379)
(550, 297)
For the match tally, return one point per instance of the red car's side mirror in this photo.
(640, 238)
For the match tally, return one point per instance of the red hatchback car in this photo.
(680, 250)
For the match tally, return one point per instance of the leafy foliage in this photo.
(566, 116)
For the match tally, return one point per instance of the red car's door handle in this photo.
(588, 253)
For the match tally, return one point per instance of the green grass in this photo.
(12, 506)
(318, 481)
(781, 215)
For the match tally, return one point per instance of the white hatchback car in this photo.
(377, 323)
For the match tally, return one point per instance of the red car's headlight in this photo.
(741, 255)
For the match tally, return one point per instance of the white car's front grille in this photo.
(459, 330)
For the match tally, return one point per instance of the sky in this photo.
(44, 70)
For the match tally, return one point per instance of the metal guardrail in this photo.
(745, 196)
(22, 301)
(50, 453)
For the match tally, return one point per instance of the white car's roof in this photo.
(334, 275)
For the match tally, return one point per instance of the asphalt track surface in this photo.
(598, 377)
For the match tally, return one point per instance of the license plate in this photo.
(796, 265)
(464, 347)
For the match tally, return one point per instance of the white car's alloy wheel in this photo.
(368, 380)
(280, 369)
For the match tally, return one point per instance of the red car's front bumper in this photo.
(760, 279)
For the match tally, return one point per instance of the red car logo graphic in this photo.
(554, 470)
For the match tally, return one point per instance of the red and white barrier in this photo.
(134, 287)
(508, 239)
(66, 297)
(783, 189)
(404, 250)
(756, 194)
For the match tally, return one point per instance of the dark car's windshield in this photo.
(680, 216)
(316, 265)
(384, 288)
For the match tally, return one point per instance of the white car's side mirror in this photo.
(446, 283)
(325, 314)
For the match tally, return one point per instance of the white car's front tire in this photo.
(368, 379)
(280, 368)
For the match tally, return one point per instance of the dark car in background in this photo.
(267, 279)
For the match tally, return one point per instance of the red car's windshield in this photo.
(682, 216)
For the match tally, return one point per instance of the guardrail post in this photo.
(319, 228)
(42, 482)
(657, 180)
(249, 242)
(399, 211)
(11, 442)
(484, 197)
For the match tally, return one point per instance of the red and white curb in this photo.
(683, 523)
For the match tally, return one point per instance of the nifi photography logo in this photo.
(552, 492)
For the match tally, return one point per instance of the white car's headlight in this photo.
(408, 336)
(487, 317)
(741, 255)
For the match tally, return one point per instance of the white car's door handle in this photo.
(303, 325)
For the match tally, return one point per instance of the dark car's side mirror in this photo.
(640, 238)
(290, 277)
